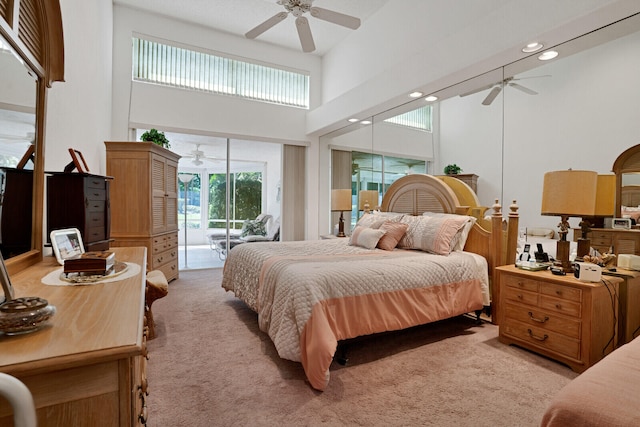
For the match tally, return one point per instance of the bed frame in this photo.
(418, 193)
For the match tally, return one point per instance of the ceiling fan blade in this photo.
(522, 88)
(492, 95)
(476, 90)
(304, 32)
(336, 17)
(275, 19)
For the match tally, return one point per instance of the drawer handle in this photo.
(544, 338)
(559, 292)
(536, 319)
(559, 306)
(519, 296)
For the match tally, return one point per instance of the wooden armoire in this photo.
(144, 201)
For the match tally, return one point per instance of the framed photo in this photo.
(66, 243)
(77, 162)
(7, 288)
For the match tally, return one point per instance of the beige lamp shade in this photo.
(367, 196)
(569, 193)
(341, 200)
(606, 195)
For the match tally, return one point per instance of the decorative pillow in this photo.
(431, 234)
(253, 227)
(458, 242)
(393, 233)
(365, 237)
(375, 220)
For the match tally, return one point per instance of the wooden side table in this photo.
(558, 316)
(628, 304)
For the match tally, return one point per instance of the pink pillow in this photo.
(394, 232)
(431, 234)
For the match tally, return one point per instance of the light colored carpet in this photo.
(210, 365)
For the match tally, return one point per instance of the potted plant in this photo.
(452, 169)
(156, 137)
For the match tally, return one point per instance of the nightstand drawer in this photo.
(543, 319)
(523, 297)
(569, 308)
(543, 338)
(521, 283)
(558, 291)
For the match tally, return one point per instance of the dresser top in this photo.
(547, 276)
(103, 321)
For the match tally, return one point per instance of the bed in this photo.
(310, 295)
(606, 394)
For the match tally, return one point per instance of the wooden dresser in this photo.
(16, 193)
(622, 241)
(144, 201)
(80, 200)
(468, 178)
(558, 316)
(87, 365)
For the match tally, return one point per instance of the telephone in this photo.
(541, 255)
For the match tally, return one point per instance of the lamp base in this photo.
(584, 247)
(562, 256)
(341, 227)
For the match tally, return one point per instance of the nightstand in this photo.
(560, 317)
(629, 304)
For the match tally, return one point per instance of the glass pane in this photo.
(189, 199)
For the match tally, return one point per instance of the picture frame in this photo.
(77, 162)
(66, 243)
(7, 287)
(28, 155)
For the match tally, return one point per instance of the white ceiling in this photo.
(239, 16)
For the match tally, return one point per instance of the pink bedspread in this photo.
(606, 394)
(310, 295)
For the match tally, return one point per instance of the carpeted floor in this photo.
(210, 365)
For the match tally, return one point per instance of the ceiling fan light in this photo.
(550, 54)
(197, 162)
(431, 98)
(532, 47)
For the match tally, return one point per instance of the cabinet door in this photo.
(171, 187)
(159, 194)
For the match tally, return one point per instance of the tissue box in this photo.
(629, 261)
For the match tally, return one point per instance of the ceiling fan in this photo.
(298, 8)
(497, 88)
(198, 155)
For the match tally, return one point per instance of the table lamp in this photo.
(569, 193)
(341, 201)
(367, 199)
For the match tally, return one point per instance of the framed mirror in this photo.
(33, 58)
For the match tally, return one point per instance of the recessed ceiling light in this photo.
(415, 94)
(366, 122)
(431, 98)
(353, 120)
(532, 47)
(550, 54)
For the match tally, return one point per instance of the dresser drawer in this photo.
(95, 219)
(520, 283)
(601, 238)
(94, 234)
(96, 194)
(95, 205)
(542, 338)
(524, 297)
(569, 308)
(543, 319)
(95, 182)
(563, 292)
(164, 242)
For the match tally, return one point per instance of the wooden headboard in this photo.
(418, 193)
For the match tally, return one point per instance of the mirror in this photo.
(582, 115)
(627, 170)
(18, 89)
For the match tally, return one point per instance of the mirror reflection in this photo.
(17, 136)
(511, 125)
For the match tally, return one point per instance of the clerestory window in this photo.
(190, 69)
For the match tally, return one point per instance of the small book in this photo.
(95, 262)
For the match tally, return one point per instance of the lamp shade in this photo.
(569, 193)
(606, 195)
(341, 200)
(367, 196)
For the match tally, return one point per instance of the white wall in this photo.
(79, 109)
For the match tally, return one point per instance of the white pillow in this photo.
(434, 234)
(365, 237)
(375, 220)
